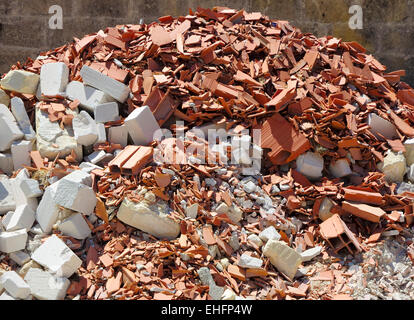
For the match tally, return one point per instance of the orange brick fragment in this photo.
(364, 211)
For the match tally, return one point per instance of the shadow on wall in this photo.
(387, 26)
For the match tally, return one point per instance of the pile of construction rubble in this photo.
(89, 211)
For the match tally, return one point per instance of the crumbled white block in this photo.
(79, 176)
(5, 296)
(75, 226)
(20, 197)
(98, 156)
(394, 167)
(141, 125)
(112, 87)
(101, 133)
(52, 140)
(255, 239)
(20, 257)
(89, 97)
(310, 164)
(409, 154)
(6, 163)
(31, 188)
(7, 201)
(106, 112)
(86, 131)
(15, 285)
(410, 174)
(283, 257)
(54, 78)
(22, 218)
(192, 211)
(10, 132)
(13, 241)
(249, 262)
(269, 233)
(309, 254)
(118, 135)
(21, 154)
(74, 196)
(57, 257)
(20, 114)
(89, 167)
(48, 211)
(340, 168)
(45, 286)
(7, 114)
(381, 126)
(20, 81)
(4, 98)
(152, 219)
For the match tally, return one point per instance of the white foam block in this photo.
(15, 285)
(114, 88)
(13, 241)
(89, 97)
(79, 176)
(57, 257)
(85, 129)
(106, 112)
(45, 286)
(6, 163)
(75, 196)
(75, 226)
(21, 154)
(20, 197)
(54, 78)
(7, 201)
(141, 125)
(9, 132)
(48, 211)
(20, 81)
(31, 188)
(19, 111)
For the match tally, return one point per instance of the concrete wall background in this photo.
(388, 30)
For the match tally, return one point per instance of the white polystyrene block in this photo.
(45, 286)
(21, 154)
(7, 200)
(85, 129)
(9, 132)
(48, 211)
(75, 226)
(118, 135)
(89, 97)
(79, 176)
(6, 163)
(20, 81)
(57, 257)
(13, 241)
(22, 218)
(106, 112)
(15, 285)
(141, 125)
(31, 188)
(19, 112)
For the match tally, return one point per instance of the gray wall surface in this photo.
(388, 30)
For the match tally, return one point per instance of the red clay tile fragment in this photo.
(364, 211)
(363, 196)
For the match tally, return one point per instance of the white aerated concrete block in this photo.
(309, 254)
(394, 167)
(15, 285)
(89, 167)
(381, 126)
(20, 197)
(152, 219)
(4, 98)
(19, 112)
(75, 226)
(57, 257)
(85, 129)
(13, 241)
(89, 97)
(340, 168)
(31, 188)
(20, 81)
(10, 132)
(54, 78)
(21, 154)
(79, 176)
(101, 133)
(106, 112)
(118, 135)
(75, 196)
(98, 156)
(48, 211)
(310, 165)
(20, 257)
(269, 233)
(6, 163)
(7, 200)
(141, 125)
(45, 286)
(112, 87)
(409, 154)
(283, 257)
(22, 218)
